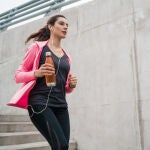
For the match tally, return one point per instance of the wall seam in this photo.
(138, 103)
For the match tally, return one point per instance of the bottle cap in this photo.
(48, 53)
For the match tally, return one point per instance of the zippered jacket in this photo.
(25, 75)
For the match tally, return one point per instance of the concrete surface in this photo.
(109, 45)
(19, 134)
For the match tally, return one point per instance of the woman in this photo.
(47, 107)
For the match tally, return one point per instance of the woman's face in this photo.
(60, 28)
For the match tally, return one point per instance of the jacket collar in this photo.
(41, 44)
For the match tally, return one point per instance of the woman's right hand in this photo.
(45, 69)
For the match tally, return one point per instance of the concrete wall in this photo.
(109, 44)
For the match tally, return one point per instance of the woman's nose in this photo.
(65, 28)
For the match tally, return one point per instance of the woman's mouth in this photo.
(64, 32)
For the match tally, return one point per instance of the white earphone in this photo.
(51, 28)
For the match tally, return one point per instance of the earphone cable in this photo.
(35, 112)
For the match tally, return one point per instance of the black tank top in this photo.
(39, 93)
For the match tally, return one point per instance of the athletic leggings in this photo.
(53, 124)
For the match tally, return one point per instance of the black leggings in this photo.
(53, 124)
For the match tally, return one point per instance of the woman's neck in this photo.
(54, 43)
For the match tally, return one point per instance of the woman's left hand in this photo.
(72, 81)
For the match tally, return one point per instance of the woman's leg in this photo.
(47, 123)
(63, 118)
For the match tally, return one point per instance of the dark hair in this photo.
(44, 33)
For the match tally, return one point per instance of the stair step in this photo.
(27, 146)
(16, 127)
(20, 137)
(35, 146)
(73, 145)
(14, 118)
(18, 133)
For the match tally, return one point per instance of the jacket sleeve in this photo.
(68, 89)
(25, 73)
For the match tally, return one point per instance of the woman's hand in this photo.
(72, 81)
(45, 69)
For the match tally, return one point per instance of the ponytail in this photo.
(42, 35)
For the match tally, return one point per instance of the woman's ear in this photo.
(50, 27)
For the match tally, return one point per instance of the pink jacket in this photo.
(25, 75)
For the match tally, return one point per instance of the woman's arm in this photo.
(67, 87)
(71, 81)
(25, 73)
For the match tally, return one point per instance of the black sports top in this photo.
(57, 97)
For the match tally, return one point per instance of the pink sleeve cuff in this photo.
(68, 89)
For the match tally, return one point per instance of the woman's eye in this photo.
(61, 23)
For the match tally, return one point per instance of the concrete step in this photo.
(16, 127)
(27, 146)
(73, 145)
(18, 133)
(14, 118)
(20, 137)
(35, 146)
